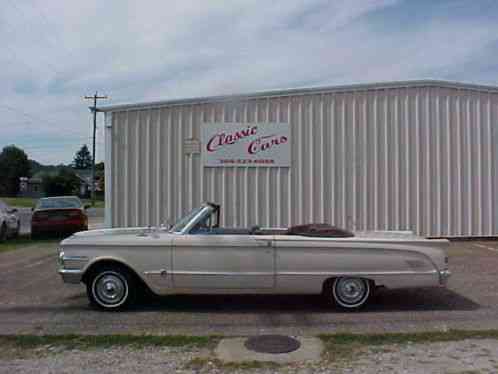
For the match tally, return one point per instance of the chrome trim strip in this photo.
(221, 273)
(303, 273)
(351, 273)
(70, 271)
(74, 258)
(156, 272)
(71, 275)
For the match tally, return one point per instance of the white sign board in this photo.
(245, 144)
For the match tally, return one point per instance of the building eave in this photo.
(301, 91)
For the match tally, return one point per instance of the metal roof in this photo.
(302, 91)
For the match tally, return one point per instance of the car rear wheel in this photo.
(350, 292)
(111, 288)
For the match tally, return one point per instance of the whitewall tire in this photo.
(351, 292)
(111, 288)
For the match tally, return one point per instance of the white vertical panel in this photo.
(169, 187)
(108, 169)
(418, 158)
(332, 158)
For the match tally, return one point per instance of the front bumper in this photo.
(71, 267)
(71, 275)
(444, 276)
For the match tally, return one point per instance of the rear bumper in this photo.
(58, 228)
(71, 275)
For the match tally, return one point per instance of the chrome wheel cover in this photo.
(351, 292)
(110, 289)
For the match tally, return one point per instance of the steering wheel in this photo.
(254, 230)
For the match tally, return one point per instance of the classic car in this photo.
(9, 222)
(196, 256)
(58, 215)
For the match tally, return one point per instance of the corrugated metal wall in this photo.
(422, 159)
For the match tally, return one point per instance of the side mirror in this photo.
(32, 209)
(87, 206)
(167, 224)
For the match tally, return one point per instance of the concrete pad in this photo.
(233, 350)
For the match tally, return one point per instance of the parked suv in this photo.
(9, 222)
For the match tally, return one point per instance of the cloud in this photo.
(56, 52)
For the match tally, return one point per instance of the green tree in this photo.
(14, 164)
(66, 182)
(82, 159)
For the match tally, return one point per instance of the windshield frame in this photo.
(192, 218)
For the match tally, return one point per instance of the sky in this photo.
(55, 52)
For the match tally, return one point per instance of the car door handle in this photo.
(161, 272)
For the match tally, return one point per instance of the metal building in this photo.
(419, 155)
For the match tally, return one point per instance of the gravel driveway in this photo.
(33, 299)
(460, 357)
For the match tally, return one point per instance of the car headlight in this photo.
(61, 258)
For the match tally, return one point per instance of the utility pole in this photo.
(93, 109)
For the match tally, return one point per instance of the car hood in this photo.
(119, 236)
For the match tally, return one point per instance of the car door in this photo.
(223, 262)
(151, 256)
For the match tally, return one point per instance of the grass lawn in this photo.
(98, 203)
(21, 202)
(338, 348)
(24, 242)
(26, 346)
(28, 202)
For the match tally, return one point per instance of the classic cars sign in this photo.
(245, 144)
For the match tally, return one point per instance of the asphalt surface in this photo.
(34, 300)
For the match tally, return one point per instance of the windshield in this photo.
(179, 225)
(59, 203)
(198, 217)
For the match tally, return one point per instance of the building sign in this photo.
(245, 144)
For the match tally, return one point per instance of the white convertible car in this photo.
(197, 256)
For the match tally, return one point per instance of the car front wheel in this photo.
(350, 292)
(111, 288)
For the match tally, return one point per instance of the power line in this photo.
(26, 114)
(60, 146)
(37, 119)
(48, 143)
